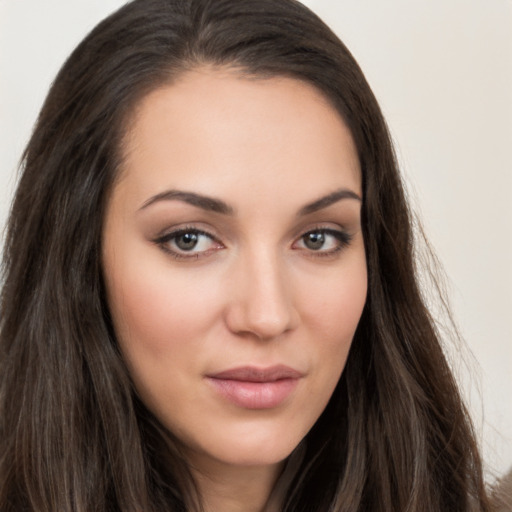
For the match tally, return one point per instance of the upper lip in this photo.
(255, 374)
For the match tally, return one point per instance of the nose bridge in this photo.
(262, 300)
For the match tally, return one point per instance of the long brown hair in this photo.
(73, 434)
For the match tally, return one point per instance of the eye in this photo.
(188, 243)
(323, 241)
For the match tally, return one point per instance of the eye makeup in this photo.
(192, 243)
(188, 243)
(323, 242)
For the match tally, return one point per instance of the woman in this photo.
(210, 300)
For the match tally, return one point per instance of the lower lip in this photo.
(255, 395)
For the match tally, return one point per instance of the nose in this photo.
(262, 300)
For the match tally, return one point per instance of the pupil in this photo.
(314, 241)
(187, 241)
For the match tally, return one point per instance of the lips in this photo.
(256, 388)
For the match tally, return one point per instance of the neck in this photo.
(229, 488)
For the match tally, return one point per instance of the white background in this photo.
(442, 71)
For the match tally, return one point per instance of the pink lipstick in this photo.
(256, 388)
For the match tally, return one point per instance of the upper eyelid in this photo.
(169, 233)
(326, 227)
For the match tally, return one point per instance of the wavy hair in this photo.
(74, 437)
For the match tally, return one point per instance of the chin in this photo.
(242, 455)
(249, 446)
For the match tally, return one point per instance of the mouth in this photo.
(250, 387)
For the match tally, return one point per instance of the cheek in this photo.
(151, 304)
(333, 306)
(161, 321)
(330, 320)
(332, 315)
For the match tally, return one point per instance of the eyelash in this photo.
(164, 240)
(342, 237)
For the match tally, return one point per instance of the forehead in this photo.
(216, 128)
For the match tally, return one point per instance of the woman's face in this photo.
(234, 261)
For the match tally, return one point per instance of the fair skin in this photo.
(235, 270)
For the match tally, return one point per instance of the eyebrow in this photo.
(328, 200)
(206, 203)
(212, 204)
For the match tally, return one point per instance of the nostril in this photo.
(262, 326)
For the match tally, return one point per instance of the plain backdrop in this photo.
(442, 71)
